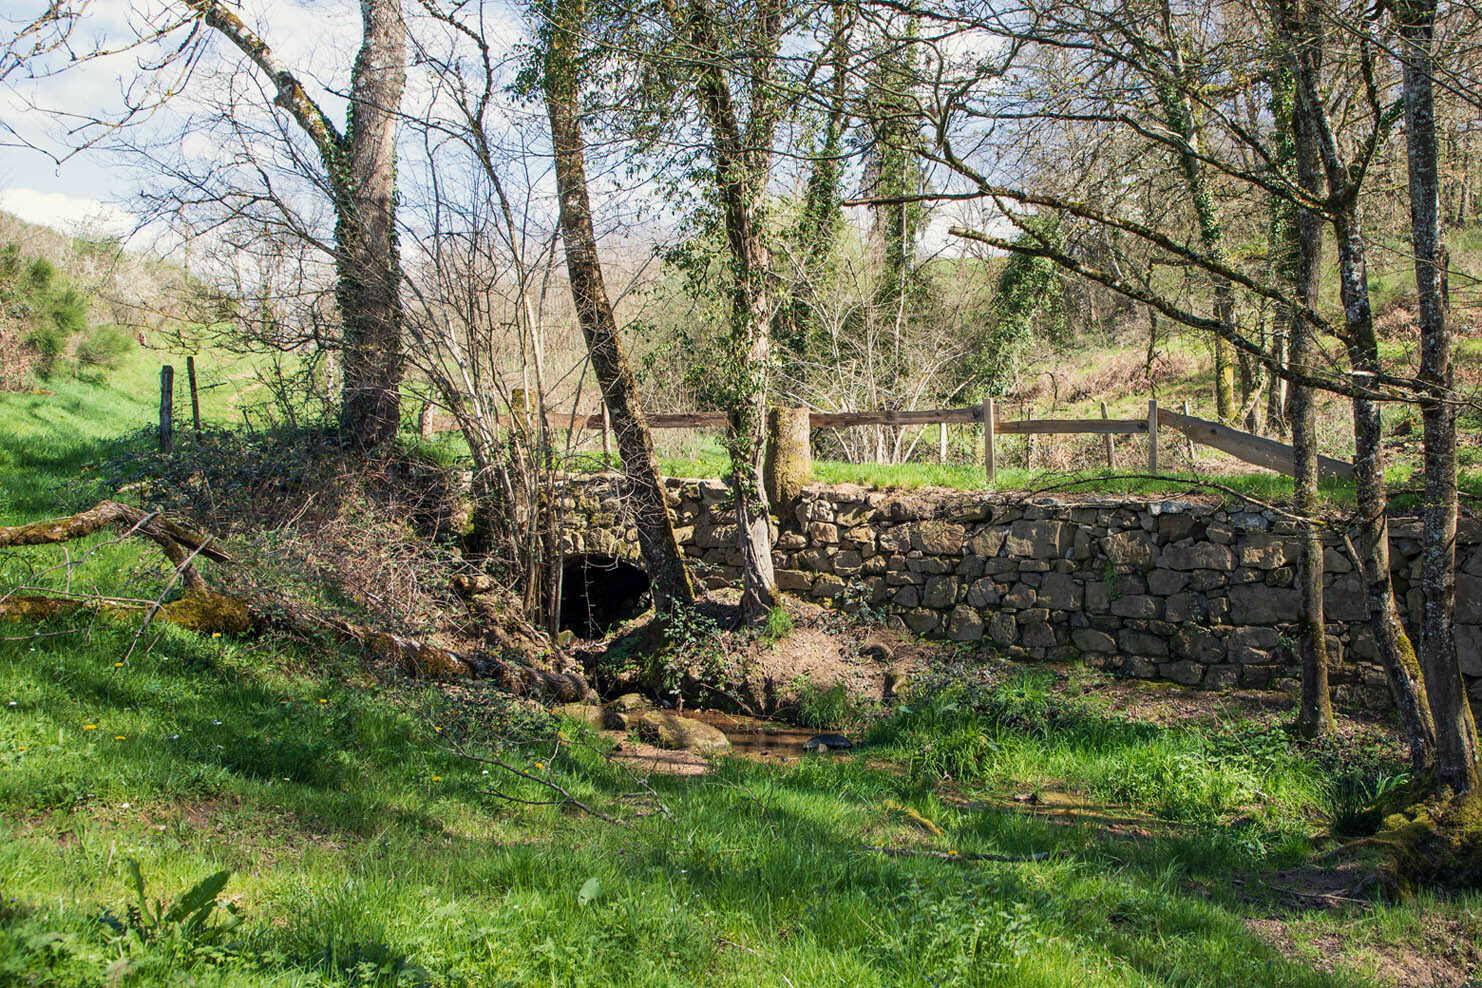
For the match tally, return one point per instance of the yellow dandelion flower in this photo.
(539, 765)
(215, 634)
(89, 727)
(323, 700)
(438, 729)
(437, 778)
(119, 737)
(954, 851)
(118, 665)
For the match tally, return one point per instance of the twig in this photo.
(566, 796)
(916, 852)
(154, 608)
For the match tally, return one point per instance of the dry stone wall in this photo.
(1185, 590)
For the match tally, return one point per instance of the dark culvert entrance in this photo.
(600, 592)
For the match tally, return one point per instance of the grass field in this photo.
(363, 849)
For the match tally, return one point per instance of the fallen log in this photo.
(207, 611)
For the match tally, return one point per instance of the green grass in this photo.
(363, 851)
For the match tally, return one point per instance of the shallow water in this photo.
(755, 738)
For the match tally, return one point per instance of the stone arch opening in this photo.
(599, 592)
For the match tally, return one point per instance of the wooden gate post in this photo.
(167, 407)
(1187, 438)
(988, 430)
(1152, 435)
(1110, 460)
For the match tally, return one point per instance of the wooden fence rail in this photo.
(1256, 450)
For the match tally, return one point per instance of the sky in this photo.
(95, 191)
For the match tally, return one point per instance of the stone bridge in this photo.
(1188, 590)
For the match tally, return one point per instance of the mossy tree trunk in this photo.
(1456, 732)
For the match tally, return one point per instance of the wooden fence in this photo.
(1253, 449)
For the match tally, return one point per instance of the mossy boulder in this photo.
(666, 729)
(1435, 843)
(587, 713)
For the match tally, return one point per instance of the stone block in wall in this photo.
(1138, 606)
(1175, 527)
(1142, 643)
(714, 536)
(1132, 548)
(1470, 563)
(1333, 560)
(1061, 591)
(791, 579)
(907, 596)
(817, 558)
(965, 625)
(941, 591)
(1185, 672)
(1003, 629)
(1164, 582)
(929, 565)
(1469, 599)
(1221, 677)
(824, 532)
(938, 538)
(1098, 596)
(1091, 640)
(896, 539)
(1469, 648)
(1020, 595)
(922, 622)
(1256, 603)
(1344, 600)
(1037, 634)
(848, 563)
(1182, 607)
(787, 541)
(1262, 551)
(874, 589)
(898, 579)
(1191, 555)
(1039, 539)
(983, 593)
(987, 541)
(827, 586)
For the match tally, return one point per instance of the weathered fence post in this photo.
(1110, 459)
(787, 463)
(195, 400)
(167, 407)
(1029, 445)
(941, 442)
(1188, 438)
(606, 434)
(988, 429)
(1152, 435)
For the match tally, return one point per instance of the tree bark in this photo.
(1456, 732)
(360, 169)
(367, 258)
(1315, 715)
(668, 577)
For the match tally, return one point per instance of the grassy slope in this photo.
(364, 852)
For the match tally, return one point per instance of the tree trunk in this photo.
(1315, 715)
(367, 258)
(668, 577)
(1456, 732)
(360, 169)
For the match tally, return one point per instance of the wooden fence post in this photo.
(1029, 445)
(1188, 438)
(606, 430)
(195, 399)
(1152, 435)
(167, 407)
(1110, 458)
(941, 442)
(988, 429)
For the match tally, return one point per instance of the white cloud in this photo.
(68, 214)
